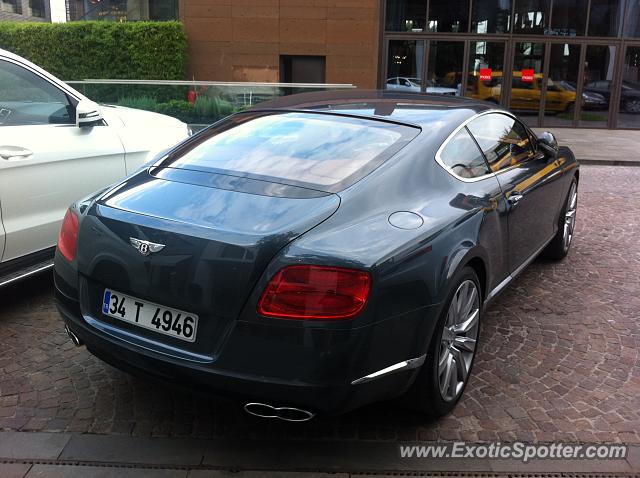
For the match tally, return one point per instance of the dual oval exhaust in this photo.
(74, 338)
(262, 410)
(288, 414)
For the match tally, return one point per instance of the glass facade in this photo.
(448, 16)
(486, 67)
(571, 63)
(560, 94)
(629, 113)
(444, 67)
(491, 16)
(605, 18)
(123, 10)
(568, 17)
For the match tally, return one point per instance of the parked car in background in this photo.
(56, 146)
(629, 95)
(525, 95)
(319, 252)
(412, 85)
(590, 100)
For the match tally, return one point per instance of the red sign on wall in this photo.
(485, 74)
(527, 76)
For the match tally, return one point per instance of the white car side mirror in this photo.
(88, 113)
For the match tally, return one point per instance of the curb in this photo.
(68, 450)
(609, 162)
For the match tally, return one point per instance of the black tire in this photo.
(559, 246)
(425, 395)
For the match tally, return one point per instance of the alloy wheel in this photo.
(632, 106)
(570, 216)
(458, 341)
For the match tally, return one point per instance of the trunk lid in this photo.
(219, 233)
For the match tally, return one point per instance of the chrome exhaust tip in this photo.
(288, 414)
(74, 338)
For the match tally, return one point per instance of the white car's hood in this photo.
(143, 133)
(139, 118)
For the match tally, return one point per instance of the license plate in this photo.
(175, 323)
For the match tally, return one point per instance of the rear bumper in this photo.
(252, 365)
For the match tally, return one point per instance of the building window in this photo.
(302, 69)
(486, 71)
(448, 16)
(123, 10)
(598, 79)
(628, 116)
(568, 17)
(632, 19)
(444, 68)
(531, 16)
(605, 18)
(406, 15)
(11, 6)
(560, 95)
(163, 10)
(404, 65)
(36, 8)
(491, 16)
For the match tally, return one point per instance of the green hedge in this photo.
(113, 50)
(205, 110)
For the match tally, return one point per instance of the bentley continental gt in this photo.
(319, 252)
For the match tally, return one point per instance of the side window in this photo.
(28, 99)
(462, 156)
(503, 140)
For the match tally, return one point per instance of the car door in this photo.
(46, 161)
(530, 181)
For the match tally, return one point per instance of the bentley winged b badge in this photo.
(145, 247)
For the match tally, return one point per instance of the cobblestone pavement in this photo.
(559, 358)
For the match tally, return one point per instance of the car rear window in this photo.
(322, 151)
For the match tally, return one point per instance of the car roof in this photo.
(419, 109)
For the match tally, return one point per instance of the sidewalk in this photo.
(600, 146)
(24, 454)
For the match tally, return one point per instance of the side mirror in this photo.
(548, 141)
(88, 113)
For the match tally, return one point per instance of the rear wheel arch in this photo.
(477, 259)
(480, 268)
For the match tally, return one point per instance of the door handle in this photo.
(12, 153)
(514, 199)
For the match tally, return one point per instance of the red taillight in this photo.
(315, 292)
(68, 239)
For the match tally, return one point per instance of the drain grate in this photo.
(416, 474)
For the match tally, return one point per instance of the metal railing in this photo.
(194, 102)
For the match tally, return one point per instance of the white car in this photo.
(57, 146)
(412, 85)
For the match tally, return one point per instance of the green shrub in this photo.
(206, 110)
(141, 103)
(113, 50)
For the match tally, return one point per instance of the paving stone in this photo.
(559, 357)
(262, 474)
(36, 446)
(13, 470)
(80, 471)
(121, 449)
